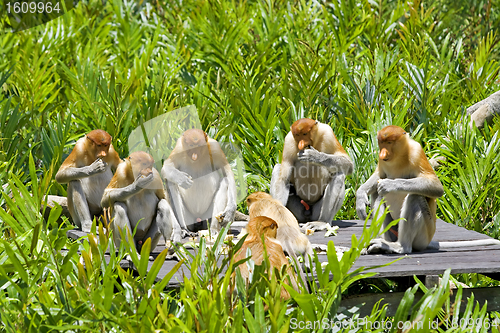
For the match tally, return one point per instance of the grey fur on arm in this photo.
(280, 186)
(70, 173)
(333, 162)
(368, 188)
(427, 187)
(170, 173)
(122, 194)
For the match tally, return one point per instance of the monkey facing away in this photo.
(138, 202)
(310, 181)
(87, 170)
(262, 225)
(409, 185)
(200, 181)
(289, 234)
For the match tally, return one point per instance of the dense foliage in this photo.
(251, 68)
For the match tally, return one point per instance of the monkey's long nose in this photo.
(384, 154)
(146, 172)
(301, 145)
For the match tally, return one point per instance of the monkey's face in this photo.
(194, 143)
(263, 225)
(101, 150)
(256, 196)
(100, 141)
(141, 163)
(302, 131)
(385, 153)
(270, 228)
(389, 140)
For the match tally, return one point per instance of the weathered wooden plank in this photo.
(479, 259)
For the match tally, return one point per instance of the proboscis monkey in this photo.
(87, 170)
(200, 181)
(262, 225)
(289, 234)
(139, 202)
(407, 182)
(310, 181)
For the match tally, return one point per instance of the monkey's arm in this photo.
(427, 186)
(69, 173)
(338, 162)
(280, 182)
(230, 209)
(112, 195)
(363, 192)
(170, 173)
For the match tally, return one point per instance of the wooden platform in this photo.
(482, 259)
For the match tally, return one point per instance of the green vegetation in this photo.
(251, 68)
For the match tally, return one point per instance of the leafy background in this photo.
(251, 68)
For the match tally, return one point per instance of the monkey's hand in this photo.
(385, 186)
(361, 203)
(226, 216)
(143, 181)
(182, 179)
(98, 166)
(310, 155)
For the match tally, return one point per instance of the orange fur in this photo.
(401, 157)
(289, 234)
(267, 227)
(96, 144)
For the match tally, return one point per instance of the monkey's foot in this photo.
(86, 226)
(186, 233)
(379, 245)
(172, 257)
(318, 226)
(129, 258)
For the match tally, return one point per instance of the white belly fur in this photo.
(142, 209)
(395, 203)
(310, 181)
(200, 195)
(93, 188)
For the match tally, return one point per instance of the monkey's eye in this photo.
(389, 142)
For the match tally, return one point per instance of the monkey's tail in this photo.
(451, 245)
(289, 249)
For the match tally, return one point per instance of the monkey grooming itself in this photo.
(139, 202)
(87, 170)
(289, 234)
(267, 227)
(200, 181)
(409, 185)
(310, 181)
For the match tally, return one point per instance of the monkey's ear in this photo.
(206, 136)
